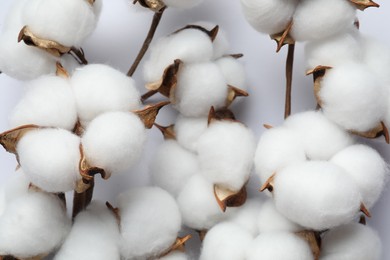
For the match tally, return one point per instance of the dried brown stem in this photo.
(148, 94)
(289, 76)
(82, 200)
(153, 27)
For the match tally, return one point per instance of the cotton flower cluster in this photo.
(52, 27)
(304, 160)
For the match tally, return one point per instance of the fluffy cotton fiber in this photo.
(317, 195)
(94, 236)
(50, 159)
(17, 186)
(150, 222)
(233, 70)
(172, 166)
(176, 255)
(225, 241)
(188, 130)
(48, 101)
(182, 3)
(353, 97)
(319, 19)
(32, 225)
(279, 246)
(114, 141)
(367, 168)
(99, 88)
(352, 241)
(225, 153)
(269, 16)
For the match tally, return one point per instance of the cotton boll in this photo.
(333, 50)
(172, 166)
(225, 153)
(3, 202)
(225, 241)
(319, 19)
(269, 219)
(234, 72)
(353, 97)
(50, 159)
(99, 88)
(150, 222)
(269, 16)
(17, 186)
(32, 225)
(188, 130)
(321, 138)
(316, 195)
(246, 216)
(182, 3)
(277, 148)
(67, 22)
(189, 45)
(13, 19)
(198, 205)
(99, 228)
(279, 246)
(114, 141)
(48, 101)
(176, 255)
(367, 168)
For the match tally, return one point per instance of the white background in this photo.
(119, 35)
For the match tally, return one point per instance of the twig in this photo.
(289, 76)
(82, 200)
(153, 27)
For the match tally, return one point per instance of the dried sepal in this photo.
(227, 198)
(235, 55)
(88, 171)
(318, 74)
(54, 48)
(178, 245)
(211, 33)
(32, 187)
(167, 131)
(154, 5)
(283, 38)
(82, 186)
(362, 220)
(267, 126)
(233, 93)
(115, 211)
(313, 239)
(378, 131)
(363, 4)
(149, 113)
(220, 114)
(202, 234)
(364, 210)
(269, 184)
(78, 129)
(10, 138)
(61, 71)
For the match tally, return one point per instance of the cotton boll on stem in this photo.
(316, 195)
(172, 166)
(184, 4)
(50, 159)
(225, 241)
(319, 19)
(352, 241)
(269, 16)
(150, 222)
(367, 168)
(114, 141)
(188, 130)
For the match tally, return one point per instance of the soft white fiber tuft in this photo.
(188, 130)
(3, 202)
(150, 222)
(234, 71)
(176, 255)
(352, 241)
(247, 215)
(225, 241)
(17, 186)
(182, 3)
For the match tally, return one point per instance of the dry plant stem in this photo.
(153, 27)
(289, 76)
(148, 94)
(82, 200)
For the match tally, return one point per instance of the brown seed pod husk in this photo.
(363, 4)
(227, 198)
(149, 113)
(269, 184)
(221, 115)
(283, 38)
(202, 234)
(9, 139)
(154, 5)
(233, 93)
(378, 131)
(115, 211)
(178, 245)
(313, 239)
(211, 33)
(318, 74)
(167, 131)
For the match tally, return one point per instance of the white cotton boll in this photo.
(225, 152)
(48, 101)
(23, 62)
(182, 3)
(150, 222)
(99, 88)
(319, 19)
(270, 219)
(321, 138)
(353, 97)
(189, 45)
(225, 241)
(3, 202)
(188, 130)
(50, 159)
(176, 255)
(246, 216)
(17, 186)
(279, 246)
(32, 225)
(172, 166)
(198, 205)
(269, 16)
(333, 50)
(367, 168)
(94, 236)
(67, 22)
(317, 195)
(277, 148)
(114, 141)
(234, 72)
(199, 87)
(13, 20)
(97, 8)
(352, 241)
